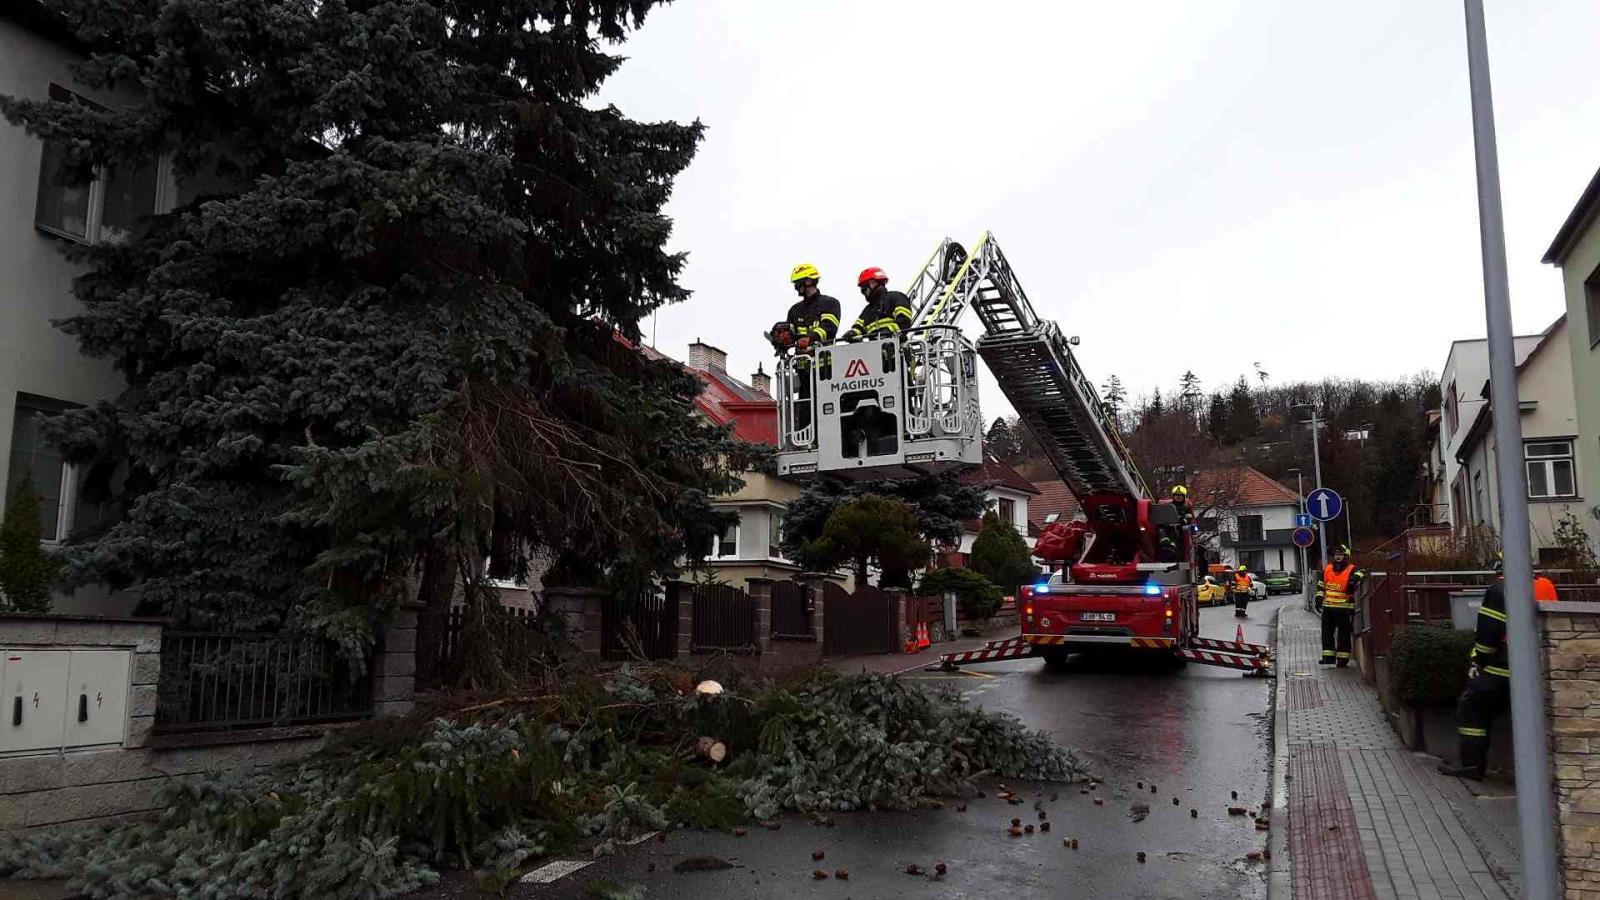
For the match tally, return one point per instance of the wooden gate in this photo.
(641, 623)
(862, 622)
(724, 618)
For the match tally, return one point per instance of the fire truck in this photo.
(906, 406)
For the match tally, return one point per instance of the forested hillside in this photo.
(1374, 445)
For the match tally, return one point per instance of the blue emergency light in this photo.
(1153, 590)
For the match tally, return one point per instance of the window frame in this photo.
(66, 502)
(1547, 461)
(1006, 509)
(1260, 527)
(94, 214)
(716, 541)
(775, 535)
(1591, 306)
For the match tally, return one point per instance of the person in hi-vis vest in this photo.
(1337, 591)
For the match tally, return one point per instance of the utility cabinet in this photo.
(62, 698)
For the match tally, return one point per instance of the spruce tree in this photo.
(1115, 397)
(1001, 555)
(1243, 424)
(1217, 418)
(942, 504)
(1001, 442)
(398, 328)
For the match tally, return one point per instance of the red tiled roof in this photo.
(726, 400)
(1054, 497)
(995, 472)
(1248, 487)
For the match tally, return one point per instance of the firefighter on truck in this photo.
(812, 322)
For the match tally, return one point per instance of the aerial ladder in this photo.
(906, 405)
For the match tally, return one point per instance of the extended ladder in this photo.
(1032, 363)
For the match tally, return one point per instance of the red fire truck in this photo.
(906, 405)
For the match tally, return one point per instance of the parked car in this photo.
(1210, 593)
(1280, 582)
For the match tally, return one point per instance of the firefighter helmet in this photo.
(871, 273)
(1180, 491)
(803, 272)
(1244, 568)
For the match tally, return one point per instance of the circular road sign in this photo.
(1324, 504)
(1304, 537)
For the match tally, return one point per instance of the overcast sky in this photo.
(1186, 185)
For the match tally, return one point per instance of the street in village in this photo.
(1151, 735)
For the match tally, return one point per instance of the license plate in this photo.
(1099, 617)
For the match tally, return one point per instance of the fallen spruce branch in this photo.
(603, 763)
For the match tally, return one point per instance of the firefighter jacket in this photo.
(1489, 643)
(815, 317)
(1338, 586)
(886, 310)
(1241, 582)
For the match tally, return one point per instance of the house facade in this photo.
(41, 370)
(1576, 250)
(1254, 520)
(1007, 494)
(1552, 452)
(1466, 367)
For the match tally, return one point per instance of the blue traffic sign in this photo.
(1325, 504)
(1302, 520)
(1304, 537)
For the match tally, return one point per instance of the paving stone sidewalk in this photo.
(1366, 817)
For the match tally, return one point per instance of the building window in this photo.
(775, 536)
(1250, 528)
(1256, 560)
(1450, 411)
(36, 460)
(1550, 470)
(1477, 490)
(1007, 508)
(726, 545)
(106, 209)
(1591, 306)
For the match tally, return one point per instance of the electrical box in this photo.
(97, 697)
(33, 684)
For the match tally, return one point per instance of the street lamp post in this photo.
(1535, 808)
(1300, 490)
(1315, 424)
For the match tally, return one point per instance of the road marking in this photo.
(554, 871)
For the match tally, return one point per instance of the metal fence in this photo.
(640, 624)
(791, 611)
(220, 681)
(725, 618)
(442, 641)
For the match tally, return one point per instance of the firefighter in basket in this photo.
(886, 312)
(812, 322)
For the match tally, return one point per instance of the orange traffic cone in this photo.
(923, 642)
(1238, 633)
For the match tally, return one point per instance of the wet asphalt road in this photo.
(1196, 735)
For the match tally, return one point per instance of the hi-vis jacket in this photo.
(1338, 586)
(816, 317)
(886, 310)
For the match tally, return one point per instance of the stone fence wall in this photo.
(1570, 638)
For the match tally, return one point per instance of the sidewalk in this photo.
(1367, 818)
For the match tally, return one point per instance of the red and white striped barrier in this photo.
(1227, 660)
(1015, 648)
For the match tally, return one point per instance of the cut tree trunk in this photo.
(711, 749)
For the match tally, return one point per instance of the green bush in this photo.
(1428, 664)
(976, 596)
(1001, 555)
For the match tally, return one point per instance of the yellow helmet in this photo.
(1180, 491)
(804, 271)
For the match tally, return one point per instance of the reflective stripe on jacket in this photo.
(1489, 641)
(1339, 586)
(816, 318)
(885, 311)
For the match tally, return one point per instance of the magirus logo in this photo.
(857, 368)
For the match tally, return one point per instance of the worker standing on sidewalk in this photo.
(1337, 591)
(886, 312)
(1488, 685)
(1243, 586)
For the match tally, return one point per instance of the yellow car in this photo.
(1209, 593)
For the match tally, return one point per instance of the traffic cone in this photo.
(923, 641)
(1238, 633)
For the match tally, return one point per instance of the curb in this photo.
(1278, 885)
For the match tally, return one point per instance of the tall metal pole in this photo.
(1300, 488)
(1535, 808)
(1316, 459)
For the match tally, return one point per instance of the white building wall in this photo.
(1274, 517)
(1466, 368)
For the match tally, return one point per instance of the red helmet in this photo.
(871, 273)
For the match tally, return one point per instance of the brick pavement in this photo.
(1417, 835)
